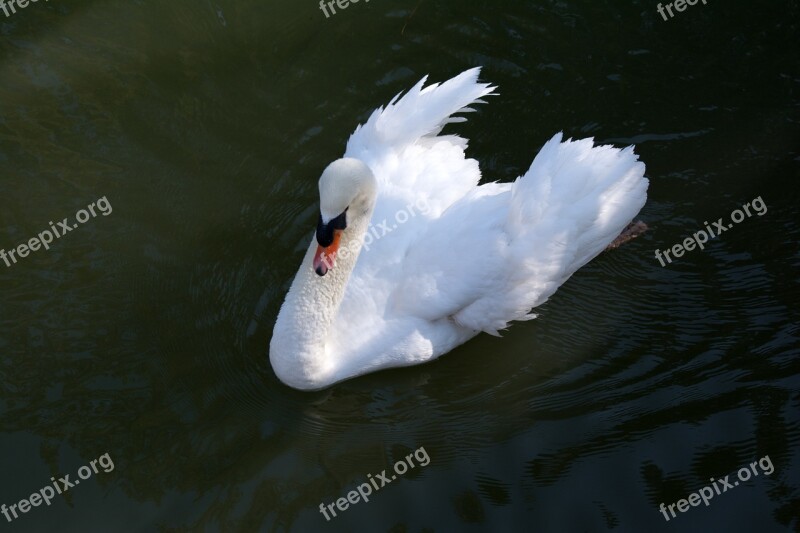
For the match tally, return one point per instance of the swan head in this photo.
(347, 189)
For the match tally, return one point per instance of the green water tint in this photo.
(206, 125)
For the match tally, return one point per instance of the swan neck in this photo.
(298, 350)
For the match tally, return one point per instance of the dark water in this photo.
(143, 333)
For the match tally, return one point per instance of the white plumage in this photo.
(462, 259)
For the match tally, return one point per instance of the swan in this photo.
(412, 257)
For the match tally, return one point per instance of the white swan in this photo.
(461, 259)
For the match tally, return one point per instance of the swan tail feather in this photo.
(575, 199)
(569, 206)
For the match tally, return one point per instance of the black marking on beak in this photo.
(325, 231)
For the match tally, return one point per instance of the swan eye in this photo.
(325, 231)
(340, 222)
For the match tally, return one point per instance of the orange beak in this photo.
(325, 256)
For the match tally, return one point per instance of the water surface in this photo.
(144, 334)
